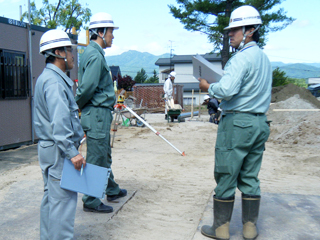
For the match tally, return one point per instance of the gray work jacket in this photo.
(56, 116)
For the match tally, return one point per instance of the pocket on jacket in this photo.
(47, 153)
(85, 120)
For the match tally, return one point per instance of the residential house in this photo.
(314, 89)
(182, 65)
(312, 81)
(115, 72)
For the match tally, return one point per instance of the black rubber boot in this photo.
(165, 117)
(250, 213)
(222, 212)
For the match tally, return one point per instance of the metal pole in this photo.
(31, 75)
(153, 130)
(192, 104)
(199, 102)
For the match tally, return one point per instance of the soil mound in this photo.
(295, 127)
(282, 93)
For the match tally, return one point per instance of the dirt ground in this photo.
(171, 191)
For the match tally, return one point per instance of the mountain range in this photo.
(132, 61)
(298, 70)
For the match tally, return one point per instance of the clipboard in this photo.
(204, 69)
(92, 182)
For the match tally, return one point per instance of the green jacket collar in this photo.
(97, 46)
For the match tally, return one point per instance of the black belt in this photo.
(235, 112)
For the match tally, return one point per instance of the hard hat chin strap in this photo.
(48, 53)
(245, 36)
(65, 59)
(104, 34)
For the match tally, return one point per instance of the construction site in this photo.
(170, 195)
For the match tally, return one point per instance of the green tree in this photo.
(279, 78)
(141, 76)
(66, 14)
(154, 78)
(212, 16)
(300, 82)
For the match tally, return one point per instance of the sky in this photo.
(148, 26)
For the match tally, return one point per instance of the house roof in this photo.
(187, 87)
(213, 57)
(115, 70)
(314, 87)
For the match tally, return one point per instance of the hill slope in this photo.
(299, 70)
(131, 62)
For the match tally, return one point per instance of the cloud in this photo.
(276, 48)
(154, 48)
(301, 23)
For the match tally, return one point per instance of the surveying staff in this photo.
(58, 128)
(96, 97)
(213, 108)
(245, 90)
(168, 90)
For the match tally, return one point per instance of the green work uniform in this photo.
(238, 154)
(245, 90)
(95, 97)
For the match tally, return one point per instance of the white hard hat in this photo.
(206, 97)
(172, 74)
(244, 16)
(54, 39)
(101, 20)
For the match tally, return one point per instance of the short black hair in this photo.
(256, 34)
(51, 58)
(94, 36)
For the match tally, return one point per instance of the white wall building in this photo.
(182, 65)
(311, 81)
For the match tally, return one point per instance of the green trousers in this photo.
(96, 122)
(239, 148)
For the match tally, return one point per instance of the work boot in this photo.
(222, 212)
(99, 209)
(250, 213)
(122, 193)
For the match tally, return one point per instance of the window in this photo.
(188, 100)
(13, 75)
(165, 76)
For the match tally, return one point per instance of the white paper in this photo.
(206, 70)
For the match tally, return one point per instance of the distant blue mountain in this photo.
(298, 70)
(131, 62)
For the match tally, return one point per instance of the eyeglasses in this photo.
(69, 49)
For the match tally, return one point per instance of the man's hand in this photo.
(203, 85)
(77, 161)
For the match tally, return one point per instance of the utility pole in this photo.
(171, 53)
